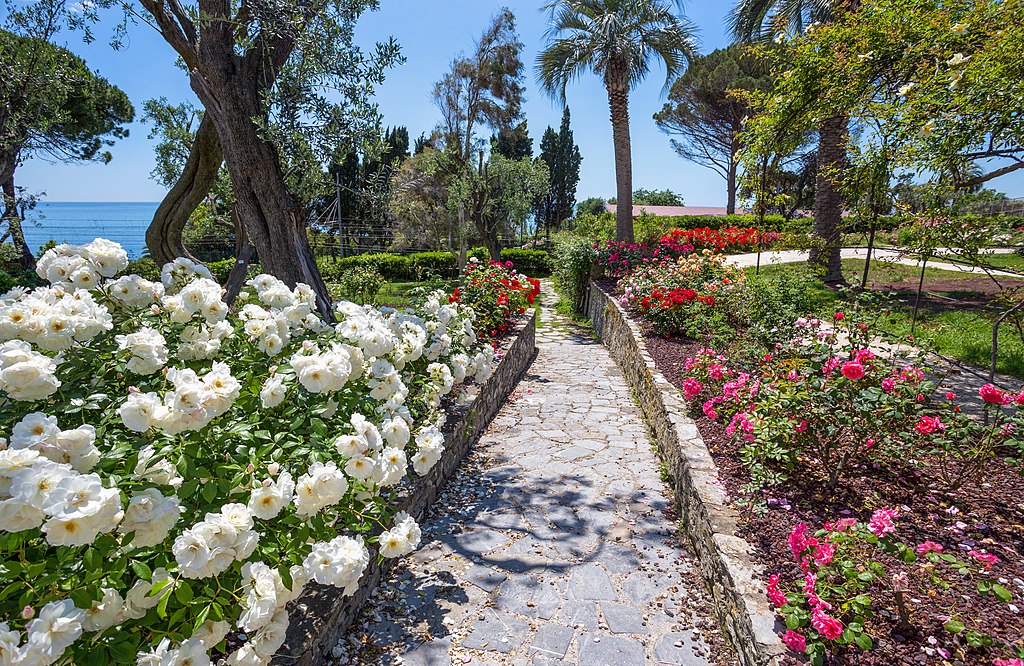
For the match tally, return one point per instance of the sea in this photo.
(73, 222)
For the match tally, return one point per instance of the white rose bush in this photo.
(174, 470)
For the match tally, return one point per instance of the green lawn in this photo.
(395, 294)
(958, 331)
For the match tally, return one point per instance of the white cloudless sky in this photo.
(431, 33)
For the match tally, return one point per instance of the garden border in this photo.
(321, 615)
(724, 559)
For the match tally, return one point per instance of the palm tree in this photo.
(760, 20)
(619, 40)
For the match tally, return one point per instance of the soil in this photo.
(968, 292)
(987, 516)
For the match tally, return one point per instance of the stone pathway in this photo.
(554, 545)
(883, 255)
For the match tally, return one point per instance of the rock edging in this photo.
(321, 615)
(724, 559)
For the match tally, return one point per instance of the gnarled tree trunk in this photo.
(163, 237)
(828, 197)
(618, 102)
(273, 220)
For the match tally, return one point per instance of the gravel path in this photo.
(554, 545)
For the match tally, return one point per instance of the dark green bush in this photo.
(221, 269)
(144, 267)
(573, 259)
(776, 299)
(535, 263)
(434, 264)
(18, 278)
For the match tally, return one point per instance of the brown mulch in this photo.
(988, 516)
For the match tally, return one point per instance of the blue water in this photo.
(78, 223)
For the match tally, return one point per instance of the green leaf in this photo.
(183, 592)
(863, 641)
(1001, 593)
(142, 570)
(123, 652)
(954, 626)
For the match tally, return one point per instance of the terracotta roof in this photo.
(703, 211)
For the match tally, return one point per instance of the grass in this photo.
(956, 332)
(395, 294)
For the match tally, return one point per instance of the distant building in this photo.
(701, 211)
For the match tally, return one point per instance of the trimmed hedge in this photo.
(424, 265)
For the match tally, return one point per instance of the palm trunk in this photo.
(618, 102)
(163, 237)
(828, 197)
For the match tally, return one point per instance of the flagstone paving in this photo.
(555, 544)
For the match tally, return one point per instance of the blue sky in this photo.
(431, 33)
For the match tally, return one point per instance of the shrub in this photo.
(175, 469)
(144, 267)
(497, 294)
(852, 571)
(777, 299)
(532, 262)
(221, 269)
(442, 265)
(696, 295)
(573, 259)
(18, 278)
(361, 284)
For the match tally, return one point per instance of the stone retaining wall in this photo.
(321, 615)
(724, 559)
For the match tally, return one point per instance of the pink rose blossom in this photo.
(853, 370)
(692, 388)
(844, 524)
(775, 595)
(798, 539)
(824, 554)
(929, 424)
(993, 395)
(709, 410)
(802, 426)
(881, 523)
(986, 559)
(889, 385)
(797, 643)
(926, 547)
(827, 626)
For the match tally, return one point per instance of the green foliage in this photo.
(776, 299)
(704, 112)
(535, 263)
(559, 151)
(360, 284)
(591, 206)
(18, 278)
(428, 265)
(144, 267)
(643, 197)
(573, 260)
(221, 269)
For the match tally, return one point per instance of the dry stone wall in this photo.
(321, 615)
(724, 559)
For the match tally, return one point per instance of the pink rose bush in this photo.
(844, 583)
(828, 405)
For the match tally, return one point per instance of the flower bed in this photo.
(617, 258)
(891, 519)
(177, 471)
(496, 293)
